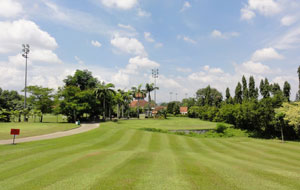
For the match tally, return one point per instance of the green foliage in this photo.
(173, 108)
(209, 96)
(238, 98)
(221, 128)
(81, 79)
(287, 91)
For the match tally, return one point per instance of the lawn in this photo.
(35, 128)
(168, 124)
(115, 156)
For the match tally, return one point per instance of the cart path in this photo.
(83, 128)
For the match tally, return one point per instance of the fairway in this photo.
(117, 156)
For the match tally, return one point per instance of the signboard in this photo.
(15, 131)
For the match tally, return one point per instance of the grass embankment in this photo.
(28, 129)
(117, 157)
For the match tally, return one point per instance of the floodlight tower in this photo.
(25, 51)
(171, 96)
(155, 76)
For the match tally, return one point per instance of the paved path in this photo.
(83, 128)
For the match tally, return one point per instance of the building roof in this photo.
(183, 109)
(142, 103)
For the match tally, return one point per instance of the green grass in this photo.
(175, 123)
(35, 128)
(116, 156)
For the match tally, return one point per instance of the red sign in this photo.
(15, 131)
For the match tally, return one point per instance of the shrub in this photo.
(221, 128)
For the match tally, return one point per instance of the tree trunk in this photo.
(109, 110)
(19, 117)
(282, 138)
(104, 114)
(41, 120)
(122, 111)
(138, 109)
(118, 111)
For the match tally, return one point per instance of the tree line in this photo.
(265, 110)
(82, 97)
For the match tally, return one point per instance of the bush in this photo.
(221, 128)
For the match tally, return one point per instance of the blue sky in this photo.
(193, 43)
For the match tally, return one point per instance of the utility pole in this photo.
(155, 76)
(186, 95)
(25, 55)
(176, 96)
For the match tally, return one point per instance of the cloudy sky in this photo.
(193, 43)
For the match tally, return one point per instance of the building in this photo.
(183, 110)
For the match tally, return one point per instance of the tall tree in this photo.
(102, 93)
(228, 96)
(81, 79)
(138, 94)
(41, 98)
(245, 89)
(238, 94)
(287, 90)
(253, 91)
(149, 88)
(264, 88)
(209, 96)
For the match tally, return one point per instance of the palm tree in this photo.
(102, 92)
(127, 97)
(149, 88)
(138, 93)
(119, 98)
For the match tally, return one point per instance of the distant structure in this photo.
(183, 110)
(139, 101)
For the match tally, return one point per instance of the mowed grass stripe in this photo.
(261, 171)
(47, 159)
(196, 172)
(231, 170)
(256, 155)
(29, 149)
(40, 151)
(126, 175)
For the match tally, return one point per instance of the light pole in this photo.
(25, 55)
(171, 96)
(176, 96)
(155, 76)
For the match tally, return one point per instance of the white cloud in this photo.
(219, 34)
(247, 14)
(253, 68)
(186, 39)
(121, 4)
(288, 20)
(266, 54)
(186, 5)
(264, 7)
(10, 8)
(79, 61)
(139, 62)
(159, 45)
(183, 70)
(127, 27)
(143, 13)
(148, 37)
(290, 39)
(129, 45)
(14, 34)
(96, 43)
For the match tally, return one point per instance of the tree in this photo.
(298, 93)
(253, 91)
(245, 89)
(238, 94)
(209, 96)
(287, 90)
(228, 96)
(291, 114)
(138, 94)
(264, 88)
(82, 79)
(102, 93)
(149, 88)
(41, 99)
